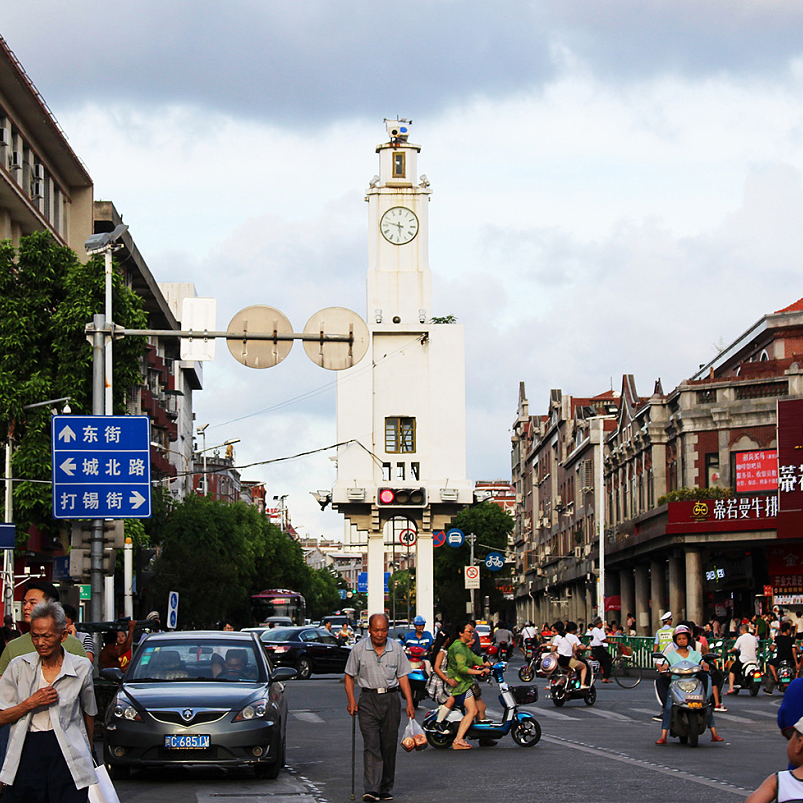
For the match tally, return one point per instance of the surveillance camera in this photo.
(398, 129)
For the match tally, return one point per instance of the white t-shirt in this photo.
(747, 644)
(598, 637)
(564, 646)
(529, 632)
(574, 641)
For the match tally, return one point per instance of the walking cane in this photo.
(353, 749)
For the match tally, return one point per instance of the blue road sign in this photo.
(438, 538)
(101, 466)
(8, 536)
(362, 582)
(494, 561)
(455, 537)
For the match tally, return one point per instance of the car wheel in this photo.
(117, 772)
(304, 668)
(273, 769)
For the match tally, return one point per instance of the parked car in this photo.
(197, 698)
(484, 632)
(307, 649)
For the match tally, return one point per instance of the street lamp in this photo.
(105, 243)
(280, 500)
(206, 449)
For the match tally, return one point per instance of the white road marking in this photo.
(285, 789)
(608, 714)
(734, 718)
(306, 716)
(595, 750)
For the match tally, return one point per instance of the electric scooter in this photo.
(521, 725)
(565, 685)
(690, 706)
(418, 677)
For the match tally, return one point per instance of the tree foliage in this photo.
(492, 526)
(218, 554)
(47, 297)
(694, 493)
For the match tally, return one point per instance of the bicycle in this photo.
(624, 670)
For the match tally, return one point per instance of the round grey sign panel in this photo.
(336, 355)
(259, 353)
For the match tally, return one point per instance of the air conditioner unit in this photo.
(547, 551)
(39, 171)
(539, 572)
(587, 549)
(15, 160)
(5, 137)
(356, 494)
(37, 189)
(558, 502)
(578, 552)
(568, 593)
(448, 494)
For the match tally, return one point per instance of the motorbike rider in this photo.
(529, 637)
(746, 649)
(464, 666)
(785, 650)
(566, 652)
(502, 636)
(577, 645)
(681, 637)
(418, 637)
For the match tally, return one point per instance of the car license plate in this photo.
(197, 741)
(695, 705)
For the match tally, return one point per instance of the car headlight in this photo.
(124, 710)
(255, 710)
(688, 686)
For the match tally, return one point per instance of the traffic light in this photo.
(401, 497)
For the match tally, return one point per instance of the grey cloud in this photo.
(311, 63)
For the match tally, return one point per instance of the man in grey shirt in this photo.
(380, 669)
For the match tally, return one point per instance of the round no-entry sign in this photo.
(408, 537)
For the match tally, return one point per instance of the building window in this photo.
(399, 435)
(712, 470)
(399, 167)
(400, 471)
(706, 396)
(385, 472)
(415, 471)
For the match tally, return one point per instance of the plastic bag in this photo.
(408, 740)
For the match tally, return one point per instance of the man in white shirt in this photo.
(747, 648)
(528, 633)
(599, 649)
(569, 648)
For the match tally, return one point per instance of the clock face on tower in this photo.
(399, 225)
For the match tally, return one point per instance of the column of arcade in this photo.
(663, 583)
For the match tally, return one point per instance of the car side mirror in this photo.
(112, 674)
(282, 674)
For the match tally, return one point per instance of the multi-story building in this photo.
(694, 509)
(43, 185)
(555, 533)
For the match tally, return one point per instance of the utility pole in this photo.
(471, 538)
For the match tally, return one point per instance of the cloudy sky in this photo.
(617, 187)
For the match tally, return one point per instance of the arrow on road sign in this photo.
(68, 466)
(136, 499)
(67, 434)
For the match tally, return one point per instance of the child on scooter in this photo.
(787, 785)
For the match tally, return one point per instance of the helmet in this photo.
(681, 629)
(419, 620)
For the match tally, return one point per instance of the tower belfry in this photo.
(403, 411)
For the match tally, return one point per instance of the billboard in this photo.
(756, 471)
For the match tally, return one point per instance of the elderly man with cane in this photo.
(380, 669)
(49, 698)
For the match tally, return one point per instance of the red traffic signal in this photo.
(401, 497)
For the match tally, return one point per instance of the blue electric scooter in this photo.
(521, 725)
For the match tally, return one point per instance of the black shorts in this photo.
(563, 660)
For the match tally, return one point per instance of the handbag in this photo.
(103, 791)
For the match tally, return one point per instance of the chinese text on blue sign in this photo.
(101, 467)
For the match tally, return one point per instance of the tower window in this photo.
(399, 435)
(399, 167)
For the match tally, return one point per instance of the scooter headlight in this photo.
(688, 686)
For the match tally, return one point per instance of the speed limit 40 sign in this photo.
(408, 537)
(472, 576)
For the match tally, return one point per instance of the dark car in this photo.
(197, 698)
(307, 649)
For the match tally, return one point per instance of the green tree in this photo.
(218, 554)
(47, 297)
(492, 526)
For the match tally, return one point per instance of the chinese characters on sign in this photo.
(756, 471)
(746, 507)
(101, 467)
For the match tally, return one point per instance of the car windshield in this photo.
(227, 660)
(277, 634)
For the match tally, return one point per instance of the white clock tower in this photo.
(401, 413)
